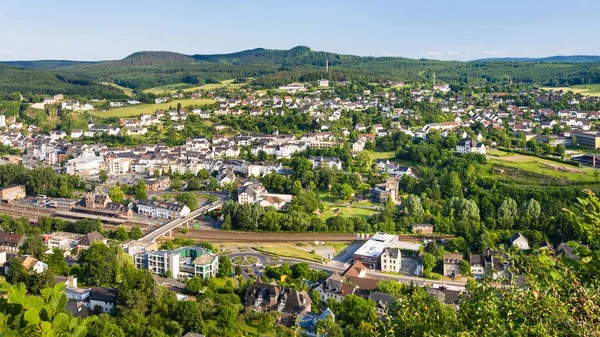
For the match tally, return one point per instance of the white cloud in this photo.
(453, 53)
(432, 53)
(496, 52)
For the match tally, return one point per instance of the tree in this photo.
(116, 194)
(135, 233)
(507, 213)
(355, 310)
(328, 327)
(189, 199)
(103, 175)
(315, 296)
(296, 188)
(428, 261)
(189, 315)
(34, 245)
(56, 262)
(225, 267)
(266, 322)
(453, 185)
(176, 183)
(16, 271)
(99, 264)
(139, 190)
(102, 326)
(413, 207)
(346, 192)
(465, 268)
(560, 150)
(226, 318)
(121, 234)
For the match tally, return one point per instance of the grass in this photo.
(286, 250)
(533, 170)
(173, 88)
(136, 110)
(127, 91)
(584, 89)
(246, 329)
(348, 212)
(383, 155)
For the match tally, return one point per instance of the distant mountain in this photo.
(550, 59)
(153, 58)
(45, 64)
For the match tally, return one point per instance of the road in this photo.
(157, 233)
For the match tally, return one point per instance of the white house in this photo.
(165, 210)
(519, 241)
(469, 145)
(103, 298)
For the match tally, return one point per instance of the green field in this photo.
(136, 110)
(348, 212)
(584, 89)
(288, 251)
(127, 91)
(173, 88)
(383, 155)
(531, 170)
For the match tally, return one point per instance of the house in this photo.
(323, 83)
(452, 264)
(308, 322)
(12, 192)
(382, 192)
(11, 242)
(32, 264)
(357, 269)
(103, 299)
(391, 260)
(333, 287)
(167, 210)
(370, 253)
(567, 251)
(519, 241)
(89, 238)
(293, 87)
(382, 301)
(477, 266)
(181, 263)
(290, 303)
(469, 145)
(422, 228)
(329, 161)
(496, 263)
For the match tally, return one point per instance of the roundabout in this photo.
(245, 260)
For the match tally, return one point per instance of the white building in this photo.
(381, 246)
(103, 298)
(469, 145)
(87, 165)
(181, 263)
(165, 210)
(119, 165)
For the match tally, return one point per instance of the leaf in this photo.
(32, 317)
(34, 303)
(61, 322)
(79, 331)
(586, 259)
(46, 326)
(555, 275)
(548, 261)
(46, 293)
(17, 295)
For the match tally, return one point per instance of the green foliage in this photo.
(116, 194)
(135, 233)
(22, 315)
(56, 262)
(189, 199)
(225, 267)
(34, 245)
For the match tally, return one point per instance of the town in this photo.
(332, 211)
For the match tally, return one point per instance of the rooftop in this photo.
(374, 246)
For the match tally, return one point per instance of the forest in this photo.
(272, 68)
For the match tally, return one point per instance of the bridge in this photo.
(168, 227)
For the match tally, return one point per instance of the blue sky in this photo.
(438, 29)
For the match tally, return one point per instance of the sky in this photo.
(434, 29)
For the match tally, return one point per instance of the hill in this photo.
(45, 64)
(13, 79)
(550, 59)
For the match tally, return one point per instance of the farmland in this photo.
(136, 110)
(585, 89)
(127, 91)
(173, 88)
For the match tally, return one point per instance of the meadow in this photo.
(584, 89)
(127, 91)
(136, 110)
(173, 88)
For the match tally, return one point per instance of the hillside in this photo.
(13, 79)
(272, 68)
(550, 59)
(45, 64)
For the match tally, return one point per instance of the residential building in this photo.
(103, 299)
(382, 192)
(181, 263)
(66, 242)
(452, 264)
(89, 238)
(12, 193)
(157, 209)
(87, 165)
(391, 260)
(119, 165)
(496, 263)
(308, 322)
(11, 242)
(32, 264)
(290, 303)
(382, 301)
(329, 161)
(477, 266)
(469, 145)
(293, 87)
(519, 241)
(370, 253)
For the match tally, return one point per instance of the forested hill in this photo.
(45, 64)
(272, 68)
(13, 79)
(550, 59)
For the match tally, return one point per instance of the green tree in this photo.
(16, 272)
(413, 207)
(225, 267)
(103, 175)
(139, 190)
(226, 318)
(560, 150)
(189, 315)
(189, 199)
(328, 327)
(34, 245)
(116, 194)
(296, 188)
(104, 325)
(176, 183)
(428, 261)
(266, 322)
(135, 233)
(56, 262)
(507, 213)
(315, 296)
(356, 311)
(121, 234)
